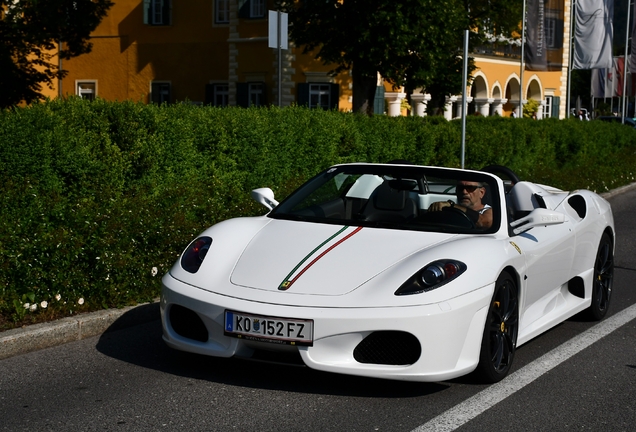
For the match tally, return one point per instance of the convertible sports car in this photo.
(378, 270)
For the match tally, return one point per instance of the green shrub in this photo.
(97, 199)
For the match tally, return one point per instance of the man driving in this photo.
(469, 201)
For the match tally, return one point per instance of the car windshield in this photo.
(390, 196)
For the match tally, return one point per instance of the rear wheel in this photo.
(500, 332)
(603, 278)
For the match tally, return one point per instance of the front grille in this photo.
(389, 348)
(186, 323)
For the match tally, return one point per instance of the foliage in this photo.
(30, 31)
(97, 199)
(412, 43)
(531, 108)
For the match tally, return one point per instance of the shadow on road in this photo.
(143, 346)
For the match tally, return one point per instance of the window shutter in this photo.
(302, 94)
(209, 94)
(334, 96)
(154, 93)
(242, 95)
(244, 8)
(378, 102)
(556, 102)
(147, 6)
(264, 95)
(166, 12)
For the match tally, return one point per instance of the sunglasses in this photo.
(468, 188)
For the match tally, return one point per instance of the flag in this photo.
(610, 81)
(535, 49)
(599, 77)
(619, 66)
(593, 34)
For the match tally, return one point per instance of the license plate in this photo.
(283, 331)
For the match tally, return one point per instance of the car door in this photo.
(548, 252)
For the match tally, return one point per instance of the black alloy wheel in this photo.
(603, 278)
(500, 332)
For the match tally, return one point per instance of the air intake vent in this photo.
(186, 323)
(389, 348)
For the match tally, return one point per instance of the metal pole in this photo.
(464, 99)
(629, 6)
(60, 93)
(570, 43)
(280, 64)
(523, 44)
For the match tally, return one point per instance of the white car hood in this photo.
(322, 259)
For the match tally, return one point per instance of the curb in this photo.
(45, 335)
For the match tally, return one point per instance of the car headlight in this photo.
(193, 257)
(432, 276)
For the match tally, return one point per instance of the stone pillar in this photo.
(482, 106)
(395, 103)
(469, 99)
(448, 107)
(497, 106)
(419, 102)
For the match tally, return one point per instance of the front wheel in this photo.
(603, 278)
(499, 340)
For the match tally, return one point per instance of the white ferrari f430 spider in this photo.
(394, 271)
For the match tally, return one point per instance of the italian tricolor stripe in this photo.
(298, 271)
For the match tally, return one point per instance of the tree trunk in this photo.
(364, 84)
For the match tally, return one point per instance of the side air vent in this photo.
(577, 202)
(186, 323)
(388, 348)
(576, 287)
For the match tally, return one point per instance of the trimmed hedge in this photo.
(99, 198)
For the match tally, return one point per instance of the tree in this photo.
(411, 43)
(30, 31)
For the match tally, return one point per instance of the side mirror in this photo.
(265, 196)
(537, 217)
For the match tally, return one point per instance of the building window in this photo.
(256, 94)
(221, 94)
(251, 94)
(550, 32)
(160, 92)
(252, 8)
(547, 107)
(320, 96)
(86, 89)
(257, 8)
(221, 11)
(158, 12)
(217, 94)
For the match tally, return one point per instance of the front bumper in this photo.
(449, 333)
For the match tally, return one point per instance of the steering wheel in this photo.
(462, 219)
(499, 170)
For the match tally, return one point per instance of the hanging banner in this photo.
(536, 53)
(593, 34)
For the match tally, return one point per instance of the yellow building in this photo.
(216, 52)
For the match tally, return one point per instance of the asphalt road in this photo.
(129, 380)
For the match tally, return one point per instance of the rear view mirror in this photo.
(265, 196)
